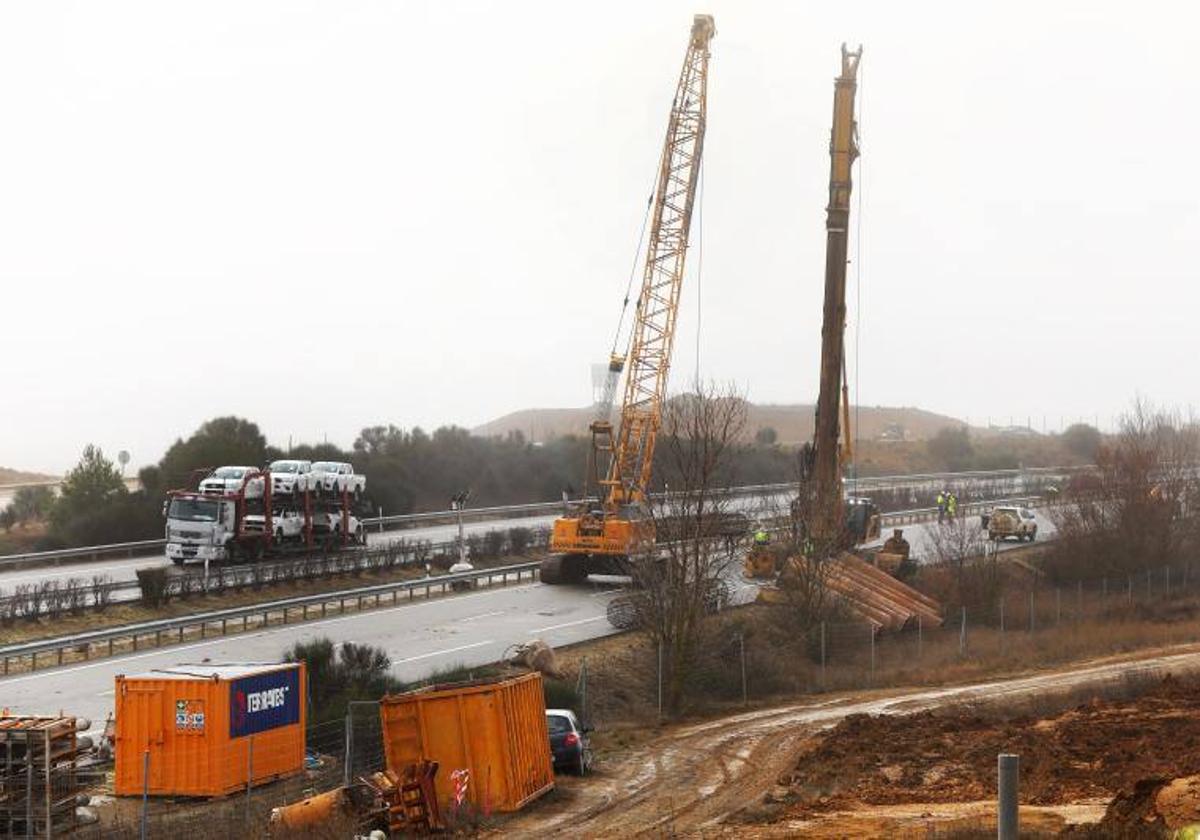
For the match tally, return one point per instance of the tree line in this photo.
(407, 470)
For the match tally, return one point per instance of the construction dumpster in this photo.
(205, 730)
(493, 729)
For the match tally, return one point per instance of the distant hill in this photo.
(793, 424)
(8, 476)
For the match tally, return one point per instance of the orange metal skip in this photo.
(494, 729)
(198, 754)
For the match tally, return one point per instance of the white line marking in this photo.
(477, 617)
(569, 624)
(444, 652)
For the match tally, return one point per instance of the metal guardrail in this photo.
(361, 559)
(142, 547)
(84, 644)
(92, 552)
(905, 517)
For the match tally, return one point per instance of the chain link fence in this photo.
(754, 656)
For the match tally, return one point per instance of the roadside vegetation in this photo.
(412, 470)
(1120, 578)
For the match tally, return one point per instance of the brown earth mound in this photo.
(1091, 752)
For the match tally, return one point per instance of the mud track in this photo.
(692, 779)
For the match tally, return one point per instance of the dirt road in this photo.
(702, 779)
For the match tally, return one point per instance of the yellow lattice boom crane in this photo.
(602, 536)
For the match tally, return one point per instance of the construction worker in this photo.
(941, 505)
(896, 544)
(761, 538)
(952, 506)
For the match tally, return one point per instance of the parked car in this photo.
(1012, 521)
(335, 477)
(569, 744)
(231, 479)
(289, 477)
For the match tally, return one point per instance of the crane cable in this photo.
(637, 253)
(699, 266)
(860, 99)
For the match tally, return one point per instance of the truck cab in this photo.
(199, 527)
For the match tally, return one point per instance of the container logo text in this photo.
(263, 702)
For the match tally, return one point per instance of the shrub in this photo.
(518, 540)
(153, 585)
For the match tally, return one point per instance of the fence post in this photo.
(1168, 584)
(1008, 815)
(1130, 598)
(871, 628)
(920, 635)
(249, 773)
(1030, 610)
(145, 789)
(822, 654)
(1002, 624)
(348, 751)
(581, 687)
(660, 680)
(29, 789)
(742, 650)
(1149, 585)
(1079, 602)
(962, 634)
(1057, 605)
(1104, 592)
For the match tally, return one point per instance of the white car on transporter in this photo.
(289, 477)
(332, 478)
(231, 480)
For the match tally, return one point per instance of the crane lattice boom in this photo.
(658, 302)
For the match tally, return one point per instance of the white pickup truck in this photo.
(231, 480)
(288, 526)
(330, 525)
(335, 477)
(290, 477)
(1012, 521)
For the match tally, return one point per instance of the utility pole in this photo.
(457, 503)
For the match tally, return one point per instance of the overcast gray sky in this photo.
(326, 215)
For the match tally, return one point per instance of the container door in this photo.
(145, 707)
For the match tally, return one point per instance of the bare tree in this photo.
(1139, 507)
(959, 545)
(681, 581)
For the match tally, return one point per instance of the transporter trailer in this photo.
(251, 522)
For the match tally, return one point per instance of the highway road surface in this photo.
(923, 541)
(468, 629)
(421, 637)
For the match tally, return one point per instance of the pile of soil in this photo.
(1155, 807)
(1090, 752)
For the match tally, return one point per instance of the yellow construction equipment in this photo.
(602, 537)
(826, 521)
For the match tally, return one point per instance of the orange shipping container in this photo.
(208, 728)
(496, 729)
